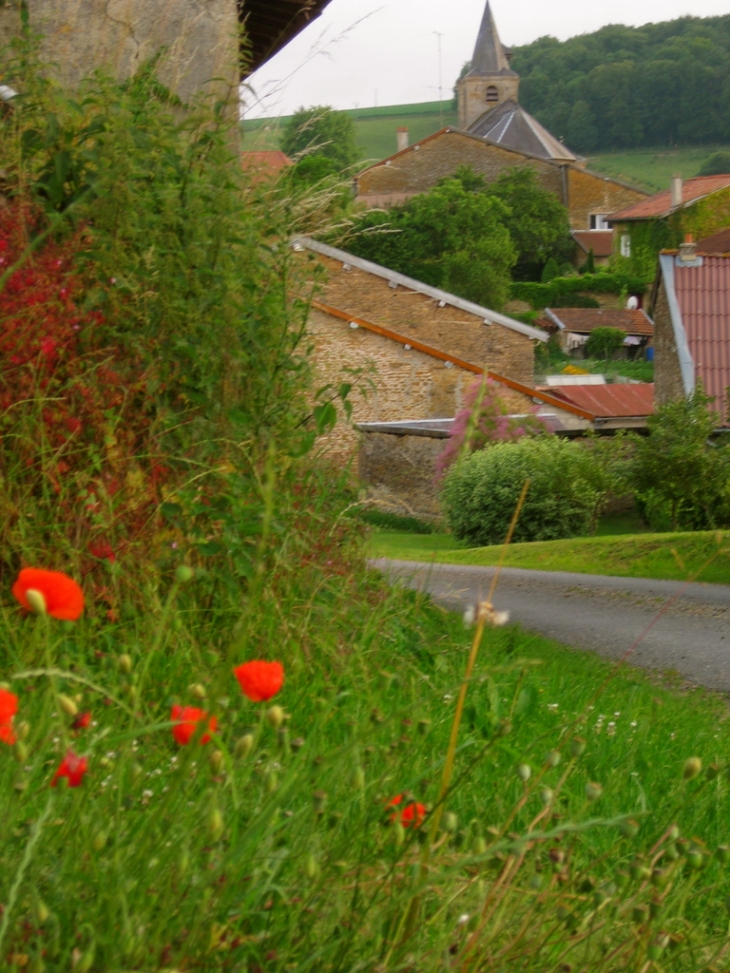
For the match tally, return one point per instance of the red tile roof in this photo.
(703, 295)
(600, 241)
(610, 401)
(717, 243)
(273, 161)
(661, 204)
(583, 320)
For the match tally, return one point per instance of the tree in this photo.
(324, 131)
(680, 477)
(536, 220)
(716, 164)
(603, 342)
(581, 131)
(449, 238)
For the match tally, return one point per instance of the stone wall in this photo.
(668, 384)
(389, 382)
(419, 168)
(418, 316)
(398, 473)
(200, 38)
(472, 95)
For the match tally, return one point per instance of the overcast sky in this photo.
(366, 52)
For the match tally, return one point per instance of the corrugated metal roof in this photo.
(703, 296)
(600, 241)
(661, 203)
(583, 320)
(610, 401)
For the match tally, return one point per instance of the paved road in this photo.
(603, 614)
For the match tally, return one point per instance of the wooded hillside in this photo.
(660, 84)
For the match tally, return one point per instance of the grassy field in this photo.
(669, 556)
(375, 130)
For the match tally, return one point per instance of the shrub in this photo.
(603, 342)
(716, 164)
(481, 492)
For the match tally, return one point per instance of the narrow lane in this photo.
(602, 614)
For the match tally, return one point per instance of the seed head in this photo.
(553, 758)
(67, 705)
(275, 715)
(125, 663)
(524, 772)
(244, 745)
(692, 767)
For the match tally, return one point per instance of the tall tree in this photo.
(320, 130)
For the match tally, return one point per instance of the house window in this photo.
(492, 95)
(598, 222)
(625, 245)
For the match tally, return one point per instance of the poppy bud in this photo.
(98, 842)
(546, 795)
(125, 663)
(723, 853)
(358, 778)
(712, 771)
(297, 743)
(198, 689)
(215, 823)
(21, 751)
(504, 728)
(524, 772)
(319, 799)
(311, 867)
(399, 833)
(36, 601)
(183, 574)
(450, 822)
(244, 745)
(671, 853)
(275, 715)
(553, 758)
(67, 705)
(271, 782)
(593, 791)
(577, 747)
(695, 859)
(480, 846)
(41, 911)
(22, 730)
(216, 761)
(692, 767)
(629, 828)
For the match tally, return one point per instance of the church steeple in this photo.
(489, 57)
(491, 81)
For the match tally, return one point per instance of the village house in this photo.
(411, 352)
(699, 206)
(691, 310)
(598, 242)
(495, 134)
(266, 166)
(573, 326)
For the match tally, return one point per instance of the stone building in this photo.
(409, 350)
(691, 310)
(201, 38)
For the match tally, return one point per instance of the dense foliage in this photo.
(658, 84)
(603, 342)
(481, 492)
(468, 236)
(716, 164)
(321, 131)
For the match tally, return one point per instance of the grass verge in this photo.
(663, 556)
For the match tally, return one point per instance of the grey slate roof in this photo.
(489, 55)
(510, 126)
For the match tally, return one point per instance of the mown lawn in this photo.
(700, 554)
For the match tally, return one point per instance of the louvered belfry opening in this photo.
(271, 24)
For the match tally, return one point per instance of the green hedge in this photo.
(546, 295)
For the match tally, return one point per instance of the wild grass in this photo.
(670, 556)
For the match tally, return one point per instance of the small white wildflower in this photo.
(448, 697)
(463, 919)
(617, 714)
(469, 615)
(552, 706)
(611, 730)
(634, 723)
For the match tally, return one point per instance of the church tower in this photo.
(490, 82)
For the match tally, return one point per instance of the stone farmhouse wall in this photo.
(668, 384)
(200, 38)
(399, 473)
(418, 316)
(418, 169)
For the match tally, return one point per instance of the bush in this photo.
(603, 342)
(716, 164)
(481, 492)
(550, 294)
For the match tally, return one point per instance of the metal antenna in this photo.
(441, 87)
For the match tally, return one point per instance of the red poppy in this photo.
(60, 595)
(412, 814)
(73, 767)
(186, 719)
(81, 721)
(260, 680)
(8, 709)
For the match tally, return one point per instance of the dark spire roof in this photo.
(489, 56)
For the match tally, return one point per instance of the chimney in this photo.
(676, 191)
(402, 134)
(688, 250)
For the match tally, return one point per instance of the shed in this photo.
(574, 325)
